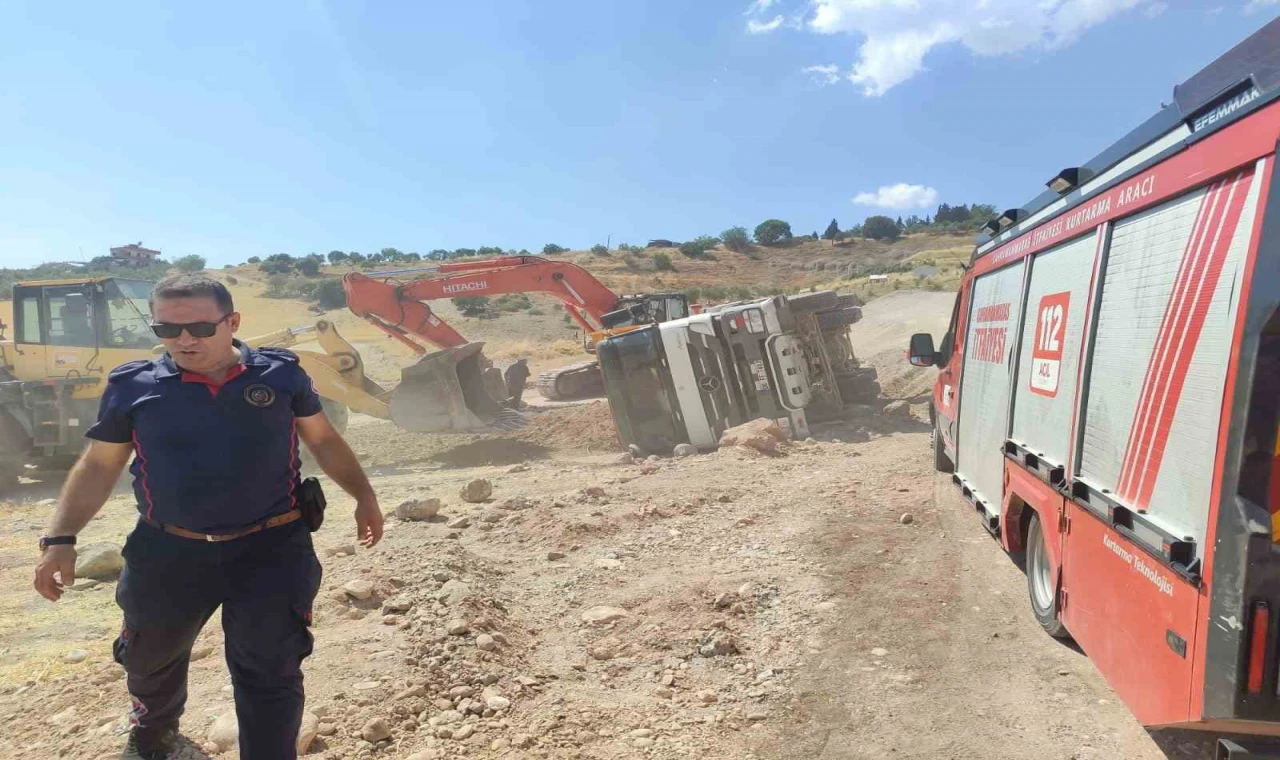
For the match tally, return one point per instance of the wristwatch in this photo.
(47, 541)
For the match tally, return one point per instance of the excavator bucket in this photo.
(453, 391)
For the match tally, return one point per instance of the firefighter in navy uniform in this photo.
(224, 518)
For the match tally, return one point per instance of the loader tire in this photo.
(811, 302)
(1040, 586)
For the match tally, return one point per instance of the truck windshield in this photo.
(642, 403)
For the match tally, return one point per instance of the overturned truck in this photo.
(688, 380)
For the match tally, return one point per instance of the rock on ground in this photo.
(685, 450)
(418, 509)
(762, 435)
(375, 731)
(307, 731)
(359, 589)
(601, 614)
(897, 409)
(101, 562)
(225, 731)
(476, 491)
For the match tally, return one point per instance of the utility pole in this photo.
(608, 242)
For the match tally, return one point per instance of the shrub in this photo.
(472, 306)
(551, 249)
(309, 267)
(253, 260)
(736, 239)
(277, 286)
(232, 280)
(662, 262)
(698, 247)
(191, 263)
(599, 250)
(512, 302)
(330, 295)
(772, 231)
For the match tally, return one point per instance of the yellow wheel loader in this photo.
(67, 335)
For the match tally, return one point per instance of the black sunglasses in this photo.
(169, 330)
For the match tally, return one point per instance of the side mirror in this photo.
(921, 353)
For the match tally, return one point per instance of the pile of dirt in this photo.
(899, 380)
(584, 429)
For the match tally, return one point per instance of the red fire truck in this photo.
(1108, 400)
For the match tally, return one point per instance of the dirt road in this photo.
(718, 606)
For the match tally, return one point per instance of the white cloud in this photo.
(1155, 9)
(897, 35)
(760, 6)
(825, 74)
(1256, 5)
(764, 27)
(899, 197)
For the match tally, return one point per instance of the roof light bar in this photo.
(1011, 217)
(1069, 179)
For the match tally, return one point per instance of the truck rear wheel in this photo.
(818, 301)
(1040, 585)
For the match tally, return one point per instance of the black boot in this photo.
(150, 744)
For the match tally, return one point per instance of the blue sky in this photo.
(235, 129)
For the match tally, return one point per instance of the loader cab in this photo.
(79, 328)
(100, 313)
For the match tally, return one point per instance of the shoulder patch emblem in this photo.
(260, 395)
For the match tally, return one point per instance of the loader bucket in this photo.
(452, 391)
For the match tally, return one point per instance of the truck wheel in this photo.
(807, 302)
(829, 320)
(1043, 592)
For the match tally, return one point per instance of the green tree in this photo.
(551, 249)
(278, 263)
(662, 263)
(253, 260)
(880, 228)
(599, 250)
(190, 263)
(772, 231)
(735, 239)
(309, 267)
(699, 246)
(336, 256)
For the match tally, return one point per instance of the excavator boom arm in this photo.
(399, 309)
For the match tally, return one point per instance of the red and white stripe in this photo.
(1197, 279)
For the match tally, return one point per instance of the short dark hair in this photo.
(192, 286)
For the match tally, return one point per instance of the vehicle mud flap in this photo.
(448, 391)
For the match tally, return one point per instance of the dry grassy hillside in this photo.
(545, 336)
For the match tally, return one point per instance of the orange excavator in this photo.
(456, 387)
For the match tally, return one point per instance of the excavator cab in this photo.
(654, 307)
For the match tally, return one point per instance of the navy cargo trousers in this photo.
(265, 583)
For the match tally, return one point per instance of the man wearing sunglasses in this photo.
(213, 428)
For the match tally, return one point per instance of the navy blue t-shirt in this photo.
(210, 458)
